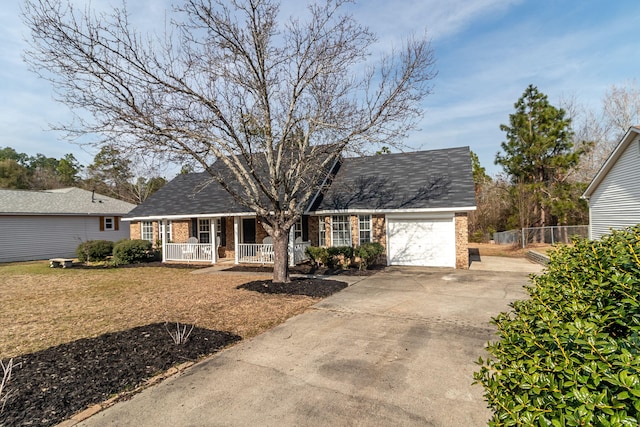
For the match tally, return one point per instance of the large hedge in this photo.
(570, 354)
(133, 252)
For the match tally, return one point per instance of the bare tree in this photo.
(274, 104)
(599, 131)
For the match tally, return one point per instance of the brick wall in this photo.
(180, 231)
(228, 251)
(134, 230)
(462, 241)
(261, 233)
(327, 230)
(379, 229)
(314, 233)
(355, 235)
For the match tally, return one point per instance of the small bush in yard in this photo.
(570, 354)
(94, 250)
(340, 255)
(133, 252)
(368, 254)
(319, 255)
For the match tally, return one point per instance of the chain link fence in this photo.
(549, 235)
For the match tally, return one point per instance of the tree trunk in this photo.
(280, 256)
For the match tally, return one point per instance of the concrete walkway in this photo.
(395, 349)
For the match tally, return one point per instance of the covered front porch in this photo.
(213, 239)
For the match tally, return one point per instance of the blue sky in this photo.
(487, 51)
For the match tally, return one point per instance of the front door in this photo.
(248, 230)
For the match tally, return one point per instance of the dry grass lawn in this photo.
(43, 307)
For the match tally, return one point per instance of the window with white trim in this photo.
(109, 222)
(146, 230)
(364, 227)
(218, 231)
(322, 232)
(340, 230)
(204, 231)
(297, 230)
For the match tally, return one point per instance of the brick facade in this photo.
(462, 240)
(180, 231)
(314, 233)
(134, 230)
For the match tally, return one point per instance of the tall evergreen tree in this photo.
(538, 152)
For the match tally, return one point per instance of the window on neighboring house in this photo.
(204, 231)
(109, 222)
(322, 234)
(364, 226)
(168, 231)
(146, 231)
(340, 230)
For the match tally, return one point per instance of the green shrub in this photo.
(570, 354)
(368, 254)
(340, 256)
(319, 256)
(94, 250)
(133, 252)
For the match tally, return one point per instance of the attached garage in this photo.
(422, 241)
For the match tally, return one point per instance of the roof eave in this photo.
(388, 211)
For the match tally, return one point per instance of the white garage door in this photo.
(423, 242)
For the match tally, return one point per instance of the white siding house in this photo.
(614, 193)
(49, 224)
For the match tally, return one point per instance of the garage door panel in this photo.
(422, 242)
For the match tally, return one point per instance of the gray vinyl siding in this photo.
(616, 202)
(24, 238)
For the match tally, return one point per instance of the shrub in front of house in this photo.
(368, 254)
(339, 256)
(570, 353)
(133, 252)
(318, 255)
(94, 250)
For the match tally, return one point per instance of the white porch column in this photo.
(236, 238)
(163, 231)
(292, 261)
(214, 240)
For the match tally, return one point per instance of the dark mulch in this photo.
(50, 386)
(311, 287)
(311, 270)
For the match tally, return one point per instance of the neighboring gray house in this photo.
(614, 193)
(415, 204)
(52, 223)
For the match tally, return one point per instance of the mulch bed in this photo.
(52, 385)
(311, 287)
(309, 269)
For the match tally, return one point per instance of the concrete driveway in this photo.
(395, 349)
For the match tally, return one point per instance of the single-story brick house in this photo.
(415, 204)
(52, 223)
(614, 193)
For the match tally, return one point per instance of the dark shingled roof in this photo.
(417, 180)
(435, 179)
(189, 194)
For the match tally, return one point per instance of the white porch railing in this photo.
(262, 253)
(189, 252)
(255, 253)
